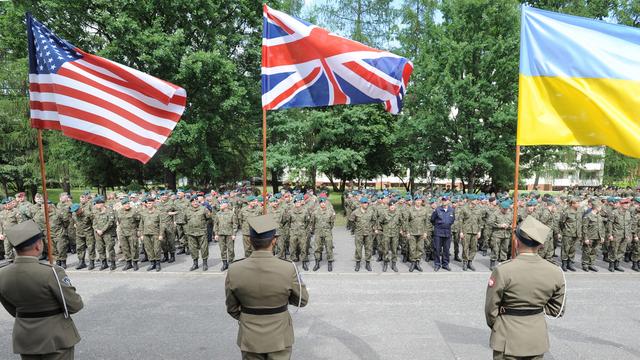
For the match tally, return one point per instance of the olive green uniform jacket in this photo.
(28, 286)
(263, 281)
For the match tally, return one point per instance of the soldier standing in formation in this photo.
(500, 222)
(391, 221)
(322, 222)
(593, 235)
(128, 219)
(416, 228)
(364, 225)
(224, 227)
(571, 226)
(471, 223)
(298, 229)
(104, 224)
(196, 231)
(151, 230)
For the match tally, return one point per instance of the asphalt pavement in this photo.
(177, 314)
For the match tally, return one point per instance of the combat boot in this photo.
(412, 266)
(357, 268)
(635, 266)
(113, 265)
(92, 265)
(180, 250)
(418, 267)
(617, 266)
(225, 265)
(144, 257)
(104, 265)
(195, 265)
(470, 266)
(320, 257)
(585, 268)
(464, 266)
(611, 266)
(367, 265)
(330, 266)
(172, 257)
(564, 265)
(570, 266)
(379, 256)
(135, 266)
(205, 266)
(305, 265)
(605, 257)
(593, 268)
(627, 257)
(457, 258)
(484, 252)
(81, 265)
(152, 266)
(385, 265)
(63, 264)
(316, 266)
(158, 267)
(127, 266)
(394, 267)
(492, 265)
(165, 257)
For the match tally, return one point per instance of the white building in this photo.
(586, 169)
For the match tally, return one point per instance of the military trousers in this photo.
(546, 251)
(181, 238)
(63, 354)
(455, 238)
(589, 252)
(105, 245)
(277, 355)
(283, 243)
(366, 242)
(617, 248)
(569, 247)
(169, 239)
(129, 246)
(246, 242)
(71, 234)
(226, 247)
(635, 250)
(428, 244)
(326, 241)
(86, 244)
(198, 246)
(498, 355)
(152, 246)
(469, 246)
(416, 247)
(8, 249)
(298, 248)
(390, 247)
(62, 245)
(500, 248)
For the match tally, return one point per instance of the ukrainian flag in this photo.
(579, 82)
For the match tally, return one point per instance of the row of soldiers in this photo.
(387, 223)
(160, 225)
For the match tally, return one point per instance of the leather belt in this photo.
(40, 314)
(520, 312)
(264, 311)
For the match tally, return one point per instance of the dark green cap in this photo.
(262, 227)
(24, 234)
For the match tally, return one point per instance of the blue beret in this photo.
(532, 202)
(74, 208)
(125, 200)
(364, 200)
(251, 198)
(505, 204)
(407, 197)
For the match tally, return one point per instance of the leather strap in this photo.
(520, 312)
(40, 314)
(264, 311)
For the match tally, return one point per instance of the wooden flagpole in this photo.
(264, 161)
(45, 196)
(515, 204)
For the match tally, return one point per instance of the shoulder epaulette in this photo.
(504, 262)
(235, 261)
(286, 260)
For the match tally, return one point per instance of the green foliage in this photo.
(620, 170)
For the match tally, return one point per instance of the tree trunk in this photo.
(535, 182)
(312, 177)
(170, 179)
(275, 181)
(333, 183)
(5, 188)
(343, 183)
(33, 189)
(412, 180)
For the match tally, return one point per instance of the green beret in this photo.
(505, 204)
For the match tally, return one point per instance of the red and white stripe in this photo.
(107, 104)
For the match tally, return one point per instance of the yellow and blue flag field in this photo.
(579, 82)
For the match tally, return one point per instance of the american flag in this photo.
(304, 65)
(98, 101)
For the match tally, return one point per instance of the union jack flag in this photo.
(304, 65)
